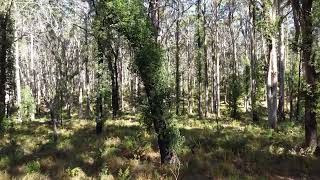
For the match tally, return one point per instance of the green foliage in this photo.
(176, 139)
(28, 106)
(265, 24)
(6, 123)
(104, 170)
(129, 18)
(234, 93)
(33, 167)
(74, 172)
(124, 174)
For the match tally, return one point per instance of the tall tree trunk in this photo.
(253, 62)
(18, 83)
(199, 60)
(190, 77)
(177, 62)
(121, 81)
(213, 75)
(155, 95)
(310, 74)
(3, 59)
(99, 106)
(114, 83)
(299, 88)
(281, 65)
(272, 74)
(272, 84)
(206, 78)
(218, 82)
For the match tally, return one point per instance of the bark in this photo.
(3, 56)
(199, 61)
(253, 62)
(213, 78)
(114, 83)
(190, 81)
(272, 73)
(281, 65)
(272, 84)
(218, 82)
(18, 83)
(86, 71)
(309, 74)
(81, 82)
(121, 81)
(17, 71)
(99, 106)
(299, 89)
(206, 78)
(178, 63)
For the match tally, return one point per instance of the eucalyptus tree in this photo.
(253, 60)
(199, 58)
(305, 11)
(6, 60)
(268, 29)
(143, 39)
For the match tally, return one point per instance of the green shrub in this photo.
(6, 123)
(104, 170)
(28, 105)
(124, 174)
(33, 167)
(234, 93)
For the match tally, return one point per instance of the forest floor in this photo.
(235, 149)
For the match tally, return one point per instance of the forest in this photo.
(159, 89)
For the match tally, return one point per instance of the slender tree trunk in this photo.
(18, 83)
(199, 61)
(291, 88)
(121, 81)
(217, 76)
(86, 87)
(115, 86)
(299, 89)
(177, 62)
(205, 47)
(190, 81)
(281, 65)
(253, 60)
(213, 75)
